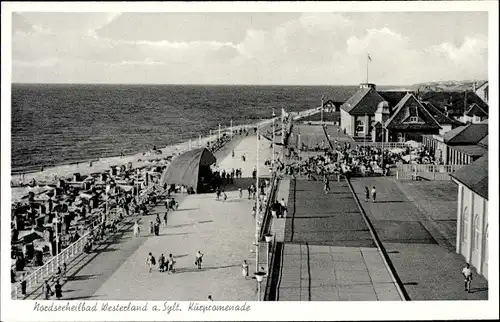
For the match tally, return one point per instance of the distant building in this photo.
(472, 214)
(481, 90)
(460, 146)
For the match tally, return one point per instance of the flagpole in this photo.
(367, 66)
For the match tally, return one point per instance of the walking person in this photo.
(327, 185)
(244, 269)
(367, 194)
(199, 259)
(151, 228)
(467, 273)
(283, 208)
(47, 290)
(161, 263)
(136, 228)
(23, 284)
(165, 218)
(58, 290)
(172, 263)
(224, 196)
(240, 192)
(374, 194)
(150, 261)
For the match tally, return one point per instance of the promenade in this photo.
(418, 244)
(329, 254)
(223, 230)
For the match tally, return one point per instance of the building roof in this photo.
(475, 176)
(471, 150)
(481, 85)
(393, 97)
(469, 134)
(484, 142)
(457, 103)
(476, 110)
(439, 116)
(364, 101)
(410, 106)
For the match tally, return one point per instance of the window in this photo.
(465, 223)
(477, 232)
(360, 126)
(413, 119)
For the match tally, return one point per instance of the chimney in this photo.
(474, 86)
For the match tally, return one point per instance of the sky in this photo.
(260, 48)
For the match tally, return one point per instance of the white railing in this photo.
(47, 271)
(426, 171)
(386, 145)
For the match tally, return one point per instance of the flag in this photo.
(369, 57)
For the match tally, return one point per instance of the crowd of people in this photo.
(357, 160)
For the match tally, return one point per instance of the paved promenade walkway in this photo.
(329, 254)
(424, 259)
(223, 231)
(248, 147)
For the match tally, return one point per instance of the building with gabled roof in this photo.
(462, 145)
(481, 90)
(358, 112)
(472, 214)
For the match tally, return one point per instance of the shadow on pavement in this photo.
(478, 289)
(81, 277)
(191, 270)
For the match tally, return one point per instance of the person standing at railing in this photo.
(23, 284)
(58, 290)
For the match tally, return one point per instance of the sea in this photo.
(55, 124)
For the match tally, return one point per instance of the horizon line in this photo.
(201, 84)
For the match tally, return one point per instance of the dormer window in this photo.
(414, 119)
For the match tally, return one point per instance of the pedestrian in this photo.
(158, 220)
(283, 208)
(374, 194)
(47, 290)
(172, 263)
(249, 189)
(58, 290)
(151, 228)
(199, 259)
(161, 263)
(367, 194)
(466, 271)
(59, 272)
(23, 284)
(244, 269)
(157, 229)
(165, 219)
(136, 228)
(150, 261)
(240, 192)
(327, 185)
(65, 270)
(224, 196)
(217, 193)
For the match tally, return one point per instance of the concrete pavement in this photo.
(223, 231)
(331, 273)
(424, 258)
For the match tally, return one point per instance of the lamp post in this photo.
(231, 128)
(219, 131)
(274, 115)
(300, 153)
(199, 140)
(322, 106)
(260, 277)
(257, 212)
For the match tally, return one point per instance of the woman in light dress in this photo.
(136, 228)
